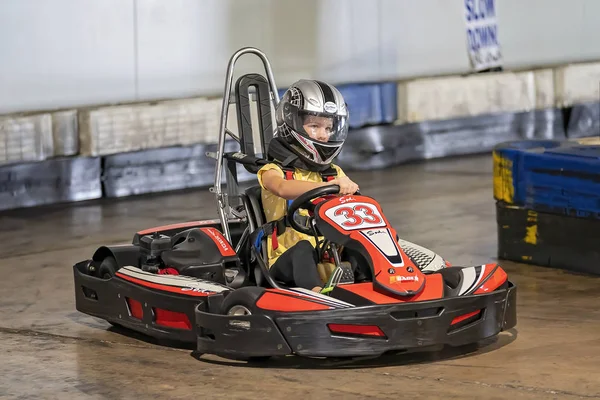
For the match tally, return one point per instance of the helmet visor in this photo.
(321, 127)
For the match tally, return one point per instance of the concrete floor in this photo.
(48, 350)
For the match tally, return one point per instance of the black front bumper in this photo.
(410, 326)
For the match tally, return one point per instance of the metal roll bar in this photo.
(222, 202)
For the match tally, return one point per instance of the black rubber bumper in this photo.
(409, 326)
(108, 299)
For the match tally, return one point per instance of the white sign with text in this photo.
(482, 34)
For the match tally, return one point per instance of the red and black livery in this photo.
(154, 284)
(207, 282)
(401, 308)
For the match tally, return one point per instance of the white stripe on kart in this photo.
(470, 278)
(181, 281)
(475, 285)
(330, 301)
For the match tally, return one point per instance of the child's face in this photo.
(318, 128)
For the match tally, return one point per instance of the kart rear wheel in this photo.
(108, 268)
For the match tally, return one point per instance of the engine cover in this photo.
(201, 252)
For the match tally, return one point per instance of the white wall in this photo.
(548, 32)
(65, 53)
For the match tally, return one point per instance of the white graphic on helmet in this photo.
(330, 107)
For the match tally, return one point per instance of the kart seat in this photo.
(254, 210)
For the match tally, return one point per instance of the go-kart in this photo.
(208, 283)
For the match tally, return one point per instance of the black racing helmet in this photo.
(312, 118)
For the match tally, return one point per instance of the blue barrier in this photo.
(549, 176)
(369, 103)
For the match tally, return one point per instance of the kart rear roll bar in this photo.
(222, 198)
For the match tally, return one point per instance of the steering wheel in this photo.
(304, 201)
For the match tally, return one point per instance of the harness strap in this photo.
(274, 241)
(278, 227)
(289, 176)
(329, 174)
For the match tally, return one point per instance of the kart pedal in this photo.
(347, 273)
(342, 274)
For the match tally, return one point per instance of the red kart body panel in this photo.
(178, 227)
(491, 278)
(433, 289)
(360, 222)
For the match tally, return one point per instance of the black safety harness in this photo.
(278, 227)
(278, 151)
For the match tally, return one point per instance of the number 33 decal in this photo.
(358, 215)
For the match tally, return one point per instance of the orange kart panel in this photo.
(496, 277)
(179, 226)
(297, 300)
(434, 289)
(358, 223)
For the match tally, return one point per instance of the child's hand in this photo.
(346, 185)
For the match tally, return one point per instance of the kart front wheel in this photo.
(241, 301)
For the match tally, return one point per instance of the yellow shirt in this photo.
(275, 208)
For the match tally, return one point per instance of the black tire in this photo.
(245, 297)
(108, 268)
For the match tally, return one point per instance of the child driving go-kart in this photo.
(312, 125)
(301, 263)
